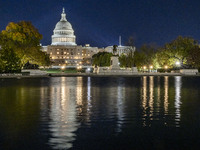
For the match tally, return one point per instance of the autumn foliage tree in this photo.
(24, 39)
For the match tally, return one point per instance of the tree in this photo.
(9, 62)
(24, 39)
(123, 60)
(193, 59)
(146, 56)
(177, 50)
(128, 60)
(101, 59)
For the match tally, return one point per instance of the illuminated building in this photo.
(121, 49)
(64, 51)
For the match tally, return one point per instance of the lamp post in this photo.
(62, 68)
(166, 67)
(144, 68)
(151, 67)
(178, 64)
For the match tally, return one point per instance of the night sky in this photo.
(100, 22)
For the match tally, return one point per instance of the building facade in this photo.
(64, 52)
(121, 49)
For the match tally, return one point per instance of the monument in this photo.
(114, 68)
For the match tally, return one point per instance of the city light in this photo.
(178, 63)
(79, 67)
(63, 67)
(145, 67)
(166, 67)
(151, 67)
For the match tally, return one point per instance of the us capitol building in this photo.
(64, 51)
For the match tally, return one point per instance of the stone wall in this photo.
(189, 71)
(35, 72)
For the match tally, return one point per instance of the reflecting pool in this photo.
(100, 113)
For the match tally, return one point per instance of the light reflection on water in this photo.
(64, 99)
(166, 89)
(120, 106)
(94, 112)
(177, 102)
(72, 98)
(152, 102)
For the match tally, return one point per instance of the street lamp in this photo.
(166, 67)
(178, 63)
(144, 68)
(62, 68)
(151, 67)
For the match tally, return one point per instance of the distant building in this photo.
(120, 49)
(64, 51)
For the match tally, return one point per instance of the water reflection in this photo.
(72, 102)
(63, 123)
(152, 104)
(158, 95)
(89, 99)
(144, 100)
(151, 96)
(166, 94)
(120, 106)
(144, 93)
(177, 102)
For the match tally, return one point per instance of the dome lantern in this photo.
(63, 15)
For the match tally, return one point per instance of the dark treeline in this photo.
(183, 52)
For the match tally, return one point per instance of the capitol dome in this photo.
(63, 32)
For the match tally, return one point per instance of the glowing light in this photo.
(166, 67)
(79, 67)
(63, 67)
(178, 63)
(151, 67)
(145, 67)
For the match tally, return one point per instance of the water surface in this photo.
(100, 113)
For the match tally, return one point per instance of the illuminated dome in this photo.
(63, 32)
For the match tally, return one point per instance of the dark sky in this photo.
(100, 22)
